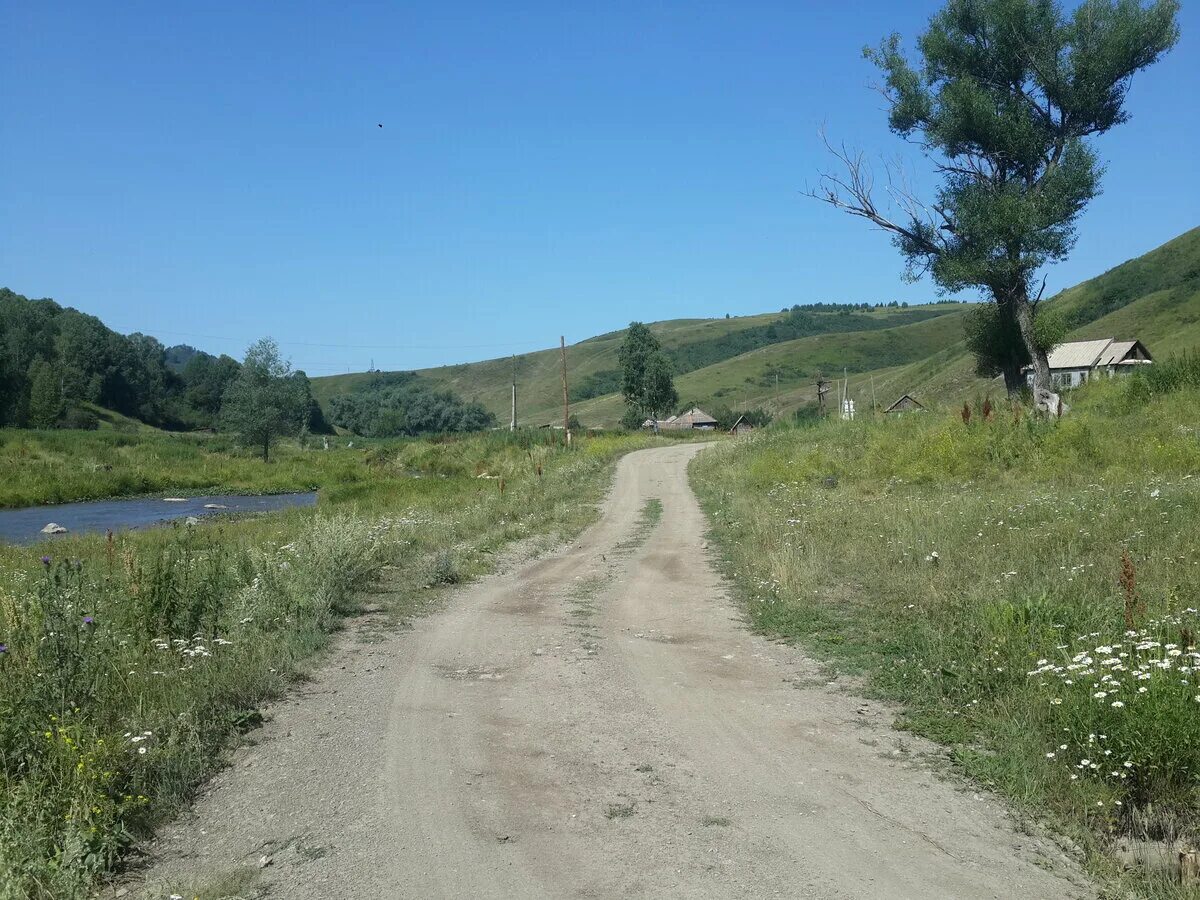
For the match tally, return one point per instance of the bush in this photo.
(80, 419)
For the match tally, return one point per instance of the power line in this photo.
(215, 337)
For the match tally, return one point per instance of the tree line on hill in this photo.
(57, 365)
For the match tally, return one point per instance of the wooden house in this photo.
(907, 403)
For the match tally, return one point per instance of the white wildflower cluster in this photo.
(1117, 673)
(1113, 678)
(138, 740)
(196, 648)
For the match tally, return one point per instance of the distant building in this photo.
(907, 403)
(694, 418)
(741, 426)
(1075, 362)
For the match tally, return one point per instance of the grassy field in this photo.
(128, 666)
(1025, 590)
(62, 466)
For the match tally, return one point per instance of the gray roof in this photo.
(1078, 354)
(1116, 352)
(697, 416)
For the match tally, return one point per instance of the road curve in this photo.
(595, 723)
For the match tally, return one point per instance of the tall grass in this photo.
(1026, 590)
(128, 663)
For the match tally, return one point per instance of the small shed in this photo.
(907, 403)
(741, 426)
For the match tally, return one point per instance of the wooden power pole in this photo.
(512, 423)
(562, 343)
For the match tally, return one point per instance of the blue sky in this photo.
(210, 173)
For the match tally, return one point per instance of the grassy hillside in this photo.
(694, 344)
(1154, 297)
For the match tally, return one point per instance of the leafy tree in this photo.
(205, 380)
(646, 380)
(45, 394)
(658, 393)
(265, 402)
(993, 337)
(1004, 100)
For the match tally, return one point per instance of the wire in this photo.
(215, 337)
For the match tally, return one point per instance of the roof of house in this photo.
(1078, 354)
(695, 416)
(1115, 353)
(910, 398)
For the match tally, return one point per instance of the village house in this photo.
(1075, 362)
(694, 418)
(741, 426)
(907, 403)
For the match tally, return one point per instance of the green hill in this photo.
(695, 347)
(773, 360)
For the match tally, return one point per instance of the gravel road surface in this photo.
(595, 723)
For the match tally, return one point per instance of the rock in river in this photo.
(54, 528)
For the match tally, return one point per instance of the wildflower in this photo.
(3, 648)
(1100, 695)
(1117, 704)
(46, 561)
(1057, 701)
(141, 750)
(88, 620)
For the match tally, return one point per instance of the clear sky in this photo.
(213, 172)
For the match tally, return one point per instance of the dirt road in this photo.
(596, 723)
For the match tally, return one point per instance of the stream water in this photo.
(24, 526)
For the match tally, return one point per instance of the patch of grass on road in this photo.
(1026, 590)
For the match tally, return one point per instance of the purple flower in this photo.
(88, 620)
(3, 648)
(46, 561)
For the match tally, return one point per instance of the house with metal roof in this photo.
(1075, 362)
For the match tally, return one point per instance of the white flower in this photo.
(1100, 695)
(1117, 704)
(141, 750)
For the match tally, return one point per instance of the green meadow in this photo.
(1026, 591)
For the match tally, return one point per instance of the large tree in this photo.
(646, 374)
(1003, 100)
(45, 394)
(266, 401)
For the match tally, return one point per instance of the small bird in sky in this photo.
(380, 124)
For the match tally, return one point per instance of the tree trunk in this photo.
(1044, 398)
(1013, 379)
(266, 449)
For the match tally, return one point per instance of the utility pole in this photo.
(562, 343)
(512, 424)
